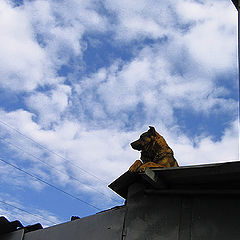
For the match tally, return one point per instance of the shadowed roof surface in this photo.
(221, 176)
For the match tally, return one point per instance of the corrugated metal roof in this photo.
(7, 226)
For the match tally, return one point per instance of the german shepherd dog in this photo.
(154, 152)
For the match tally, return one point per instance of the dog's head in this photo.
(154, 148)
(145, 139)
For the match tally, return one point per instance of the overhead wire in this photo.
(51, 151)
(49, 165)
(11, 205)
(49, 184)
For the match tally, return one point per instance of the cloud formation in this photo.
(171, 65)
(23, 62)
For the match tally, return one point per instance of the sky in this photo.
(81, 79)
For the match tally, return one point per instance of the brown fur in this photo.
(154, 152)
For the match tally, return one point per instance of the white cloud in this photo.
(41, 36)
(49, 106)
(106, 153)
(207, 31)
(148, 81)
(12, 210)
(23, 64)
(87, 149)
(62, 26)
(136, 19)
(212, 40)
(207, 150)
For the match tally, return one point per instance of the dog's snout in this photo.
(136, 145)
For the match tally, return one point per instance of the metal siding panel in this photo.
(16, 235)
(151, 217)
(185, 219)
(216, 218)
(103, 226)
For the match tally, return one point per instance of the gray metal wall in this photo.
(18, 235)
(181, 217)
(106, 226)
(152, 216)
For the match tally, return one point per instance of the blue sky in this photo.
(81, 79)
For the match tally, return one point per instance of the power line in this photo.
(51, 151)
(49, 165)
(49, 184)
(27, 212)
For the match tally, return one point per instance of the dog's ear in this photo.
(152, 130)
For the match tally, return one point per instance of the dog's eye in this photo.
(147, 139)
(144, 135)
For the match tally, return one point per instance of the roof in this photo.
(214, 178)
(7, 226)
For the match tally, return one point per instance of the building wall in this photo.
(181, 217)
(17, 235)
(106, 226)
(153, 215)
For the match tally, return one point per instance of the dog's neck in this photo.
(145, 157)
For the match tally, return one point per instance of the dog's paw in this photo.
(135, 166)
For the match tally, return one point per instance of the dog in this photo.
(154, 152)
